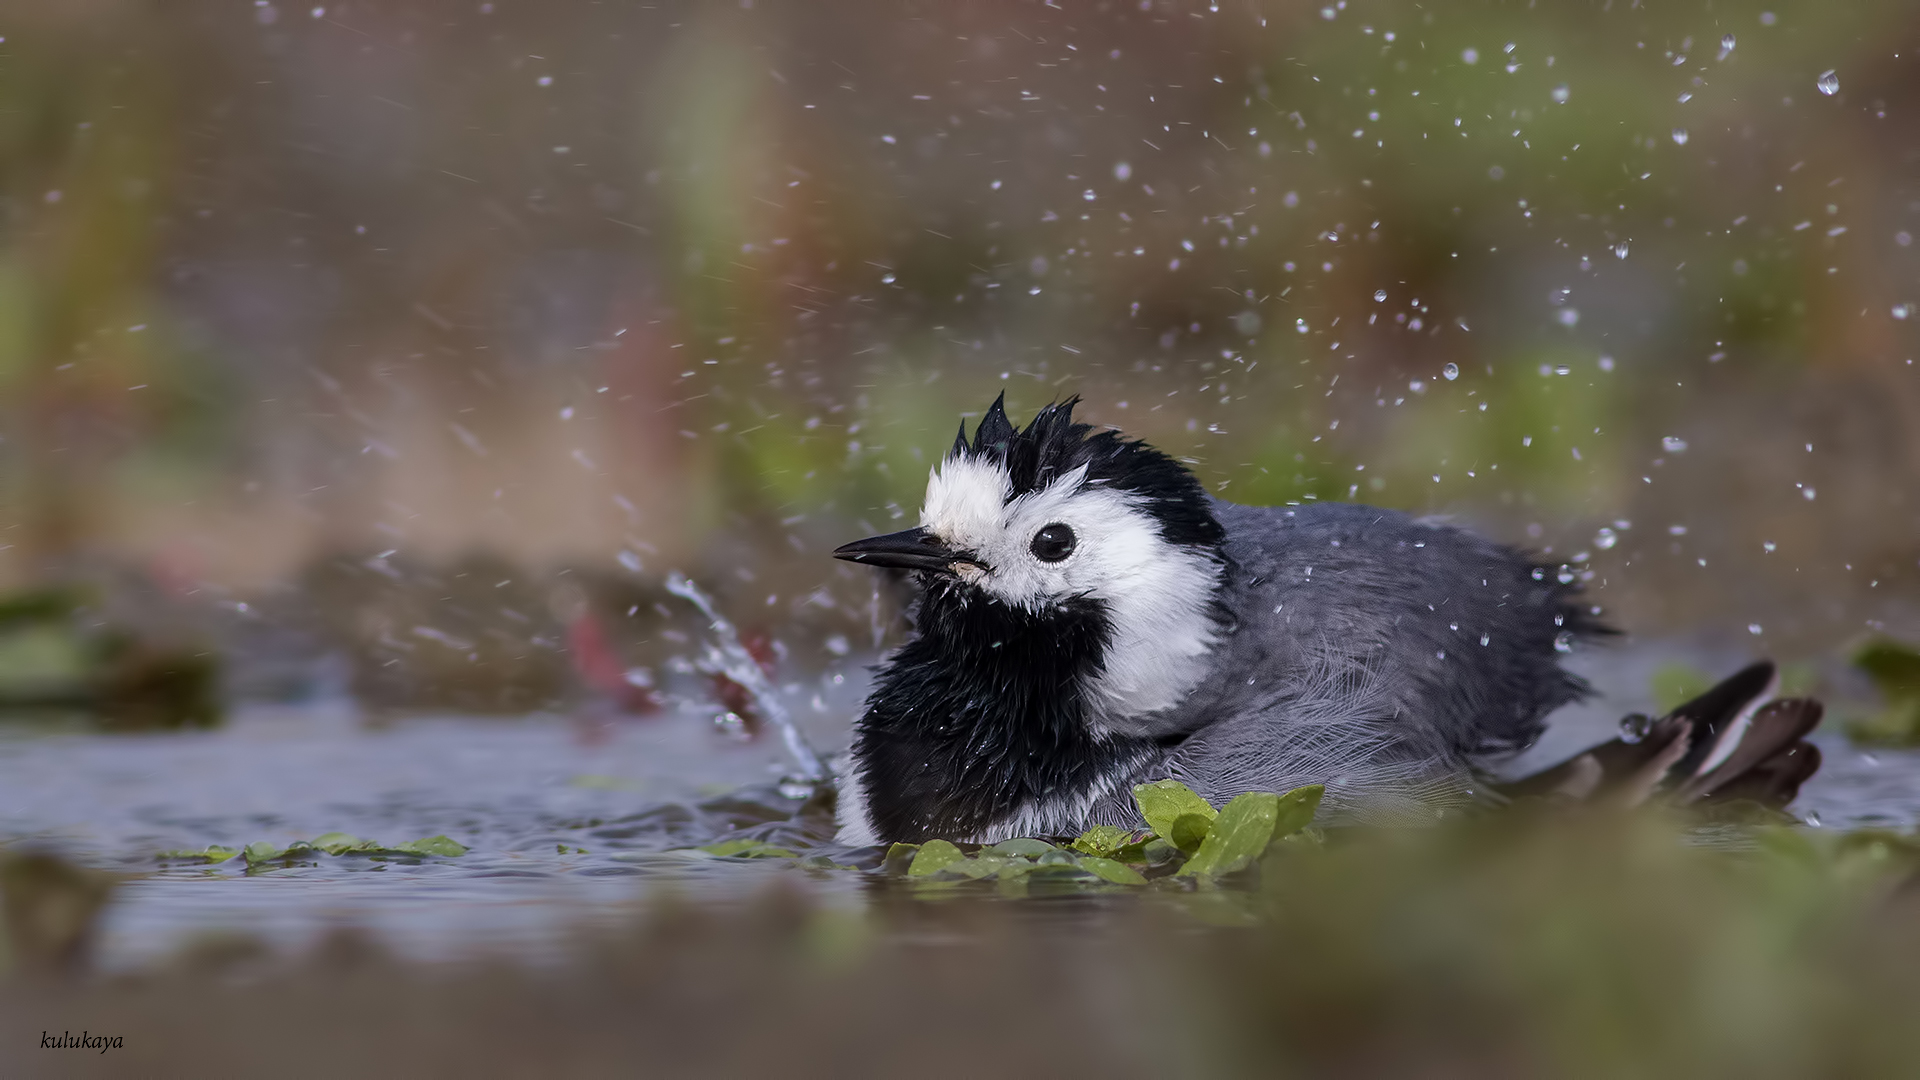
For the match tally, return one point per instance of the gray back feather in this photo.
(1380, 655)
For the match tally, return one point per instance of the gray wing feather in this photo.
(1382, 656)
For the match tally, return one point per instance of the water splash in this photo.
(730, 657)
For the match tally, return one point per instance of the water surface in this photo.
(568, 819)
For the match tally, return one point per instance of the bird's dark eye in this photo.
(1053, 543)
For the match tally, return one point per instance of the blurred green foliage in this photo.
(1894, 668)
(717, 282)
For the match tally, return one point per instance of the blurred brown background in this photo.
(301, 302)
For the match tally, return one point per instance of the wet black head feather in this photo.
(1052, 445)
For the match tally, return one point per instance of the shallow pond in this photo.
(568, 820)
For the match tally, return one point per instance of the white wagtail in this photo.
(1090, 619)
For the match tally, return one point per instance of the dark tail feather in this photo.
(1729, 743)
(1771, 740)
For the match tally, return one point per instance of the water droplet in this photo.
(1569, 316)
(1634, 727)
(1605, 538)
(1565, 576)
(1680, 136)
(1560, 94)
(1088, 195)
(1122, 171)
(1901, 311)
(1807, 493)
(1451, 371)
(1470, 55)
(1606, 363)
(1486, 639)
(1620, 250)
(1300, 325)
(1829, 83)
(1754, 629)
(1379, 296)
(1674, 444)
(733, 726)
(1726, 45)
(1563, 641)
(1418, 386)
(886, 279)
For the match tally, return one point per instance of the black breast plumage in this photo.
(980, 717)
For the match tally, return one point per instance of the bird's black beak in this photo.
(913, 549)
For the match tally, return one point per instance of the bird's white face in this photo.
(1066, 541)
(1074, 540)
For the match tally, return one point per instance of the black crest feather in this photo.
(995, 430)
(1053, 445)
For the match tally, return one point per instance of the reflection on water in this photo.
(568, 820)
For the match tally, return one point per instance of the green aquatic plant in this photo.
(212, 854)
(264, 852)
(742, 848)
(1175, 813)
(1187, 838)
(1894, 667)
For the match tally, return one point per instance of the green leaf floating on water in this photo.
(933, 857)
(745, 848)
(1239, 836)
(213, 854)
(1116, 872)
(1104, 840)
(899, 857)
(432, 845)
(339, 843)
(1023, 847)
(1168, 805)
(263, 851)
